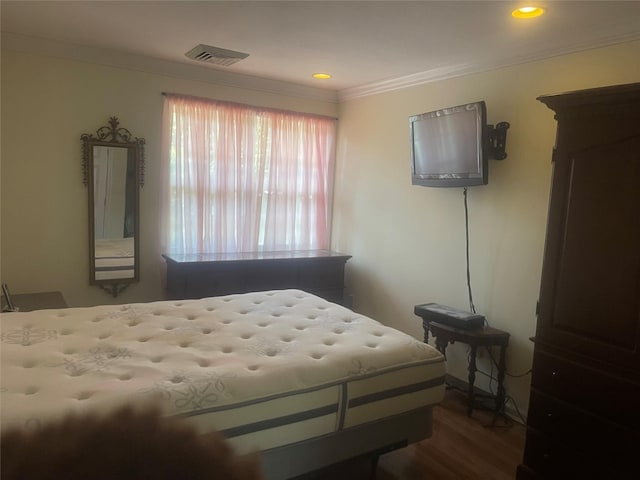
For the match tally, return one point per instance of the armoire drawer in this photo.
(583, 431)
(553, 459)
(586, 388)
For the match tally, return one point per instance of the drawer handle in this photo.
(554, 374)
(549, 415)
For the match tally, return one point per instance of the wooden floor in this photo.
(461, 448)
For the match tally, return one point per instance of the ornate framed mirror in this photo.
(113, 171)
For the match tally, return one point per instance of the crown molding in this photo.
(448, 72)
(53, 48)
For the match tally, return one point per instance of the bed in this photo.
(307, 382)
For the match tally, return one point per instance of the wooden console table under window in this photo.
(477, 337)
(320, 272)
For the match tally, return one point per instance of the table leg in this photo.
(502, 366)
(441, 345)
(425, 327)
(472, 378)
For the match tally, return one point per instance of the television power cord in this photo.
(472, 307)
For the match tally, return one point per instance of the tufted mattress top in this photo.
(265, 368)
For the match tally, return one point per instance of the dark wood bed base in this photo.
(306, 459)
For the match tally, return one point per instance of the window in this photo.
(245, 179)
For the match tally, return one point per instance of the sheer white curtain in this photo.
(245, 179)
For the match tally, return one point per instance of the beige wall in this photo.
(408, 242)
(47, 103)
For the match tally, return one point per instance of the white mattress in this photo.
(266, 368)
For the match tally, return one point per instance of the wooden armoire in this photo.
(584, 414)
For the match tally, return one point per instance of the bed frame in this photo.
(305, 459)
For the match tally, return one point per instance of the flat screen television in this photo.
(449, 147)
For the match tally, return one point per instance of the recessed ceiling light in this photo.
(321, 76)
(527, 12)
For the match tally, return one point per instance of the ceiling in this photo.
(366, 46)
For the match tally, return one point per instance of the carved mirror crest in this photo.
(113, 171)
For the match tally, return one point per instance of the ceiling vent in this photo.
(215, 55)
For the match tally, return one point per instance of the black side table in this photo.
(28, 302)
(478, 337)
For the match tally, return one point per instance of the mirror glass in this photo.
(113, 168)
(114, 213)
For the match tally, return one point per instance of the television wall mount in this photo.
(498, 140)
